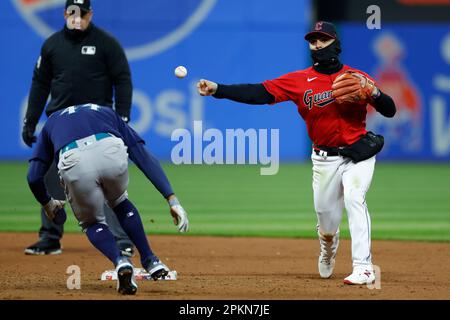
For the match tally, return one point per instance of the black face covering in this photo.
(326, 60)
(76, 34)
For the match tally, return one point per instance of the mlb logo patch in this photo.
(88, 50)
(79, 2)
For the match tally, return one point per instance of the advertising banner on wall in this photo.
(224, 41)
(411, 62)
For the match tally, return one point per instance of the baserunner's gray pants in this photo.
(93, 174)
(52, 231)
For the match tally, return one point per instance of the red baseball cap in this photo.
(322, 28)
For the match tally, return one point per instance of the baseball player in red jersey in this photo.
(333, 99)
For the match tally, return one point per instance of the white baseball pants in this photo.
(339, 183)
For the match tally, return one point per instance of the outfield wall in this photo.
(229, 42)
(224, 41)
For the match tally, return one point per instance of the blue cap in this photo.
(322, 28)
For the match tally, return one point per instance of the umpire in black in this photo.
(79, 64)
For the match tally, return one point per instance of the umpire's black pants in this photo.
(50, 230)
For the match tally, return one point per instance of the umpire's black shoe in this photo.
(43, 247)
(126, 249)
(125, 277)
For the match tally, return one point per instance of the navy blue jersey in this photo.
(77, 122)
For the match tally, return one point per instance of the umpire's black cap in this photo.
(85, 5)
(322, 28)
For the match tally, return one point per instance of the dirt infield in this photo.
(227, 268)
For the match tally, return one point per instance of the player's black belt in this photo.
(74, 144)
(330, 151)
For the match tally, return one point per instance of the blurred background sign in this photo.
(410, 63)
(409, 56)
(232, 42)
(225, 41)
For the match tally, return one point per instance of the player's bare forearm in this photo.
(172, 196)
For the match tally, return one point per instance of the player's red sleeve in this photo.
(284, 88)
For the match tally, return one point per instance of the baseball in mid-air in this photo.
(180, 72)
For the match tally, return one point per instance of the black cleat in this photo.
(126, 284)
(156, 268)
(159, 274)
(43, 247)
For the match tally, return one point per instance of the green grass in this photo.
(406, 201)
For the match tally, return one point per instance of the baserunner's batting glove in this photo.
(52, 207)
(180, 218)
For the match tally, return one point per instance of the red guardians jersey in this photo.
(328, 123)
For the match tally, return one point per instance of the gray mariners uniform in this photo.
(94, 173)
